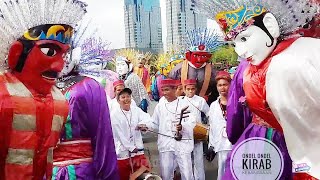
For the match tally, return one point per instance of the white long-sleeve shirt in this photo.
(197, 104)
(114, 102)
(165, 118)
(217, 134)
(124, 123)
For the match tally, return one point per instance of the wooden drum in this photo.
(201, 132)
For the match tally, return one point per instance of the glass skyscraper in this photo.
(143, 27)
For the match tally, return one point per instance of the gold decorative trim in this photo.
(57, 123)
(18, 89)
(20, 156)
(50, 155)
(24, 122)
(57, 94)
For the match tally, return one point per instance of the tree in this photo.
(225, 56)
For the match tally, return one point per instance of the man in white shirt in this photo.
(197, 105)
(218, 139)
(118, 86)
(166, 120)
(126, 121)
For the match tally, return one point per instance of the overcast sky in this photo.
(109, 16)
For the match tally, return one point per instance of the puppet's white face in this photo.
(122, 67)
(69, 64)
(94, 65)
(254, 44)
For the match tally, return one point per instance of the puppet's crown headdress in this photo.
(130, 55)
(203, 40)
(162, 60)
(146, 56)
(232, 14)
(38, 20)
(177, 57)
(93, 50)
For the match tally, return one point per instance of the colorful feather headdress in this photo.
(38, 20)
(130, 55)
(234, 15)
(163, 60)
(88, 48)
(203, 40)
(143, 56)
(167, 61)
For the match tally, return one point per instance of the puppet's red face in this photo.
(198, 58)
(42, 65)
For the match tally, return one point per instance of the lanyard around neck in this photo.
(175, 113)
(129, 124)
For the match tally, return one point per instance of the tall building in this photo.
(143, 24)
(180, 19)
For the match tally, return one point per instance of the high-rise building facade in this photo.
(143, 27)
(180, 18)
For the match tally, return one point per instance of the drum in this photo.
(201, 132)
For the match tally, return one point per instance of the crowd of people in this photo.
(63, 116)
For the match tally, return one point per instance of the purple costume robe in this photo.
(239, 115)
(240, 128)
(89, 118)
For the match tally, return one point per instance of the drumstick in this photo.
(164, 134)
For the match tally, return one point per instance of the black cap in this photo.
(125, 90)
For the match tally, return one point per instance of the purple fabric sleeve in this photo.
(92, 111)
(239, 115)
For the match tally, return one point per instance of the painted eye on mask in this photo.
(243, 39)
(48, 51)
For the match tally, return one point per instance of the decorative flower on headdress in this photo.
(233, 22)
(234, 32)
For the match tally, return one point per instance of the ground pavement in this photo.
(153, 154)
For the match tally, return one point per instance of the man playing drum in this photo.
(198, 106)
(218, 139)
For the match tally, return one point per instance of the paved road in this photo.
(153, 154)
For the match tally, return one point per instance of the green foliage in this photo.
(111, 66)
(225, 55)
